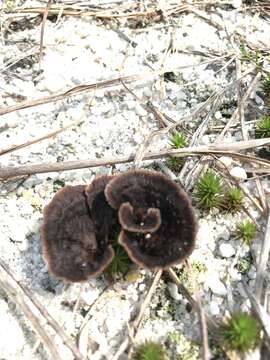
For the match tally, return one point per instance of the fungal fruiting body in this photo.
(73, 245)
(157, 220)
(152, 214)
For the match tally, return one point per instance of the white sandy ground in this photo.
(113, 123)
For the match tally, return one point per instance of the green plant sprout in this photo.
(177, 141)
(240, 333)
(150, 350)
(244, 264)
(184, 274)
(245, 231)
(251, 56)
(209, 190)
(120, 263)
(58, 184)
(262, 129)
(233, 200)
(266, 85)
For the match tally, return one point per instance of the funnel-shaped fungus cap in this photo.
(71, 246)
(158, 222)
(103, 216)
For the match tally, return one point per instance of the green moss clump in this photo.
(177, 141)
(246, 231)
(266, 85)
(244, 264)
(240, 333)
(262, 129)
(233, 200)
(150, 350)
(209, 191)
(121, 262)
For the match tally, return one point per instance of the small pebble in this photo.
(236, 4)
(173, 290)
(217, 287)
(226, 250)
(238, 173)
(214, 308)
(225, 160)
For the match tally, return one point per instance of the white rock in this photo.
(52, 83)
(214, 308)
(252, 273)
(173, 290)
(217, 287)
(226, 250)
(218, 115)
(142, 287)
(238, 173)
(259, 100)
(236, 4)
(225, 160)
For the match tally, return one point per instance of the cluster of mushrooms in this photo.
(151, 214)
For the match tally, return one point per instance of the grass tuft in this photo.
(245, 231)
(262, 129)
(177, 141)
(208, 190)
(240, 333)
(266, 85)
(120, 263)
(233, 200)
(150, 350)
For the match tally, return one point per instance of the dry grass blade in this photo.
(135, 326)
(28, 143)
(260, 313)
(212, 326)
(24, 293)
(6, 172)
(98, 85)
(235, 113)
(201, 315)
(264, 255)
(45, 15)
(14, 292)
(71, 92)
(112, 13)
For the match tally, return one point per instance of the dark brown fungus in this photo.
(151, 221)
(71, 247)
(104, 217)
(158, 221)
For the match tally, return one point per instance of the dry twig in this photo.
(45, 15)
(226, 149)
(135, 326)
(264, 255)
(22, 295)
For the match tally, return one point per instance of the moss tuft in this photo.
(209, 191)
(233, 200)
(245, 231)
(150, 350)
(177, 141)
(262, 129)
(240, 333)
